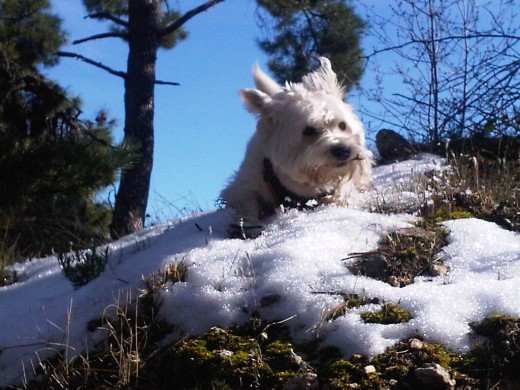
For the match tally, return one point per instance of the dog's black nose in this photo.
(340, 152)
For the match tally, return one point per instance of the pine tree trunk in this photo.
(132, 195)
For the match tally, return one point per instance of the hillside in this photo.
(300, 272)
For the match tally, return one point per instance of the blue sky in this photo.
(201, 127)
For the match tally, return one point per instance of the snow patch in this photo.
(296, 271)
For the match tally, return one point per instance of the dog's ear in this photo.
(323, 79)
(256, 101)
(264, 83)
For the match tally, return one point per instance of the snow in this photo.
(295, 271)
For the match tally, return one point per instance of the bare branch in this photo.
(187, 16)
(91, 62)
(101, 36)
(106, 68)
(476, 35)
(159, 82)
(108, 16)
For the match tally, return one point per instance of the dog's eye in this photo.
(309, 130)
(342, 126)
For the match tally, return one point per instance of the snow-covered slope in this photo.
(297, 266)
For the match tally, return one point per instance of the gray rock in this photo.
(375, 266)
(439, 269)
(434, 375)
(303, 381)
(393, 146)
(416, 344)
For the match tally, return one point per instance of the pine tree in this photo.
(146, 25)
(298, 31)
(52, 162)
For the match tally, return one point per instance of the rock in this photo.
(416, 232)
(303, 381)
(416, 344)
(225, 354)
(394, 281)
(434, 375)
(375, 266)
(439, 269)
(393, 146)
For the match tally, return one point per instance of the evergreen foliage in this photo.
(119, 9)
(52, 163)
(305, 29)
(81, 267)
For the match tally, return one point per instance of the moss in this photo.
(216, 355)
(499, 355)
(279, 352)
(402, 255)
(441, 356)
(461, 215)
(284, 376)
(390, 313)
(351, 301)
(240, 361)
(397, 365)
(446, 213)
(351, 374)
(341, 373)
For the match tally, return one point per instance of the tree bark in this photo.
(143, 41)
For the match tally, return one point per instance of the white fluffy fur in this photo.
(303, 164)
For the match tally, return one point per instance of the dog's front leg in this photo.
(244, 229)
(248, 212)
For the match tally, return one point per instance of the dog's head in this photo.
(309, 133)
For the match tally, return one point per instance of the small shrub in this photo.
(80, 267)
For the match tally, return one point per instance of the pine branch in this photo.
(159, 82)
(101, 36)
(91, 62)
(106, 68)
(108, 16)
(187, 16)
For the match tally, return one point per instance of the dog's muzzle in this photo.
(340, 153)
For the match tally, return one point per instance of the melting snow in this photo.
(295, 270)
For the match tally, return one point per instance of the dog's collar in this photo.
(285, 197)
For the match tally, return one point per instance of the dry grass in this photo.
(483, 188)
(127, 357)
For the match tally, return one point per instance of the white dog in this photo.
(308, 149)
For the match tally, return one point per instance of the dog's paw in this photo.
(245, 230)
